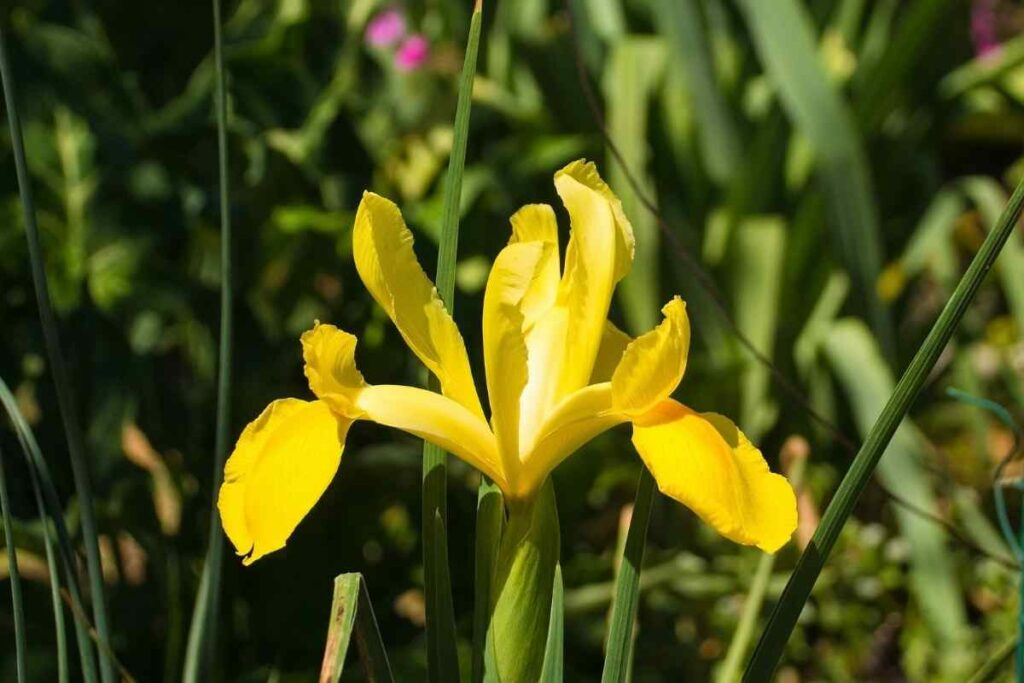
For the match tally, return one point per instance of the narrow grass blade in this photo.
(202, 636)
(784, 38)
(554, 651)
(992, 667)
(440, 592)
(441, 650)
(41, 475)
(619, 653)
(490, 520)
(352, 614)
(14, 577)
(60, 631)
(717, 131)
(65, 397)
(798, 589)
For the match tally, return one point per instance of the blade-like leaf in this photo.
(490, 520)
(441, 646)
(202, 636)
(619, 653)
(14, 577)
(65, 397)
(798, 589)
(352, 613)
(554, 652)
(784, 37)
(44, 483)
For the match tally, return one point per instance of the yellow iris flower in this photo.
(558, 374)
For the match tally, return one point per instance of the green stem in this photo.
(65, 397)
(17, 606)
(798, 589)
(202, 635)
(441, 650)
(619, 657)
(522, 588)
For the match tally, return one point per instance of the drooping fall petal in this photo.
(334, 378)
(703, 461)
(384, 257)
(280, 467)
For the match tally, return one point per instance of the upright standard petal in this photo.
(514, 274)
(703, 461)
(653, 364)
(599, 255)
(280, 467)
(382, 247)
(535, 223)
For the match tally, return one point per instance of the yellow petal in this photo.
(599, 254)
(512, 276)
(613, 344)
(536, 223)
(280, 467)
(382, 247)
(435, 418)
(574, 421)
(331, 366)
(703, 461)
(653, 364)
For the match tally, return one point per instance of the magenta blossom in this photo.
(984, 28)
(412, 53)
(386, 29)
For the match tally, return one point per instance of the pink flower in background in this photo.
(984, 28)
(413, 53)
(386, 29)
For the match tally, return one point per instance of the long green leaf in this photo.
(65, 397)
(41, 476)
(490, 520)
(441, 650)
(17, 605)
(717, 131)
(798, 589)
(352, 614)
(202, 636)
(785, 41)
(61, 636)
(619, 655)
(554, 652)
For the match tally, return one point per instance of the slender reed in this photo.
(798, 589)
(202, 635)
(65, 396)
(441, 652)
(17, 606)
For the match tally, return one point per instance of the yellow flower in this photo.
(558, 373)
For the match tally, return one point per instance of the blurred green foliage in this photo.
(832, 168)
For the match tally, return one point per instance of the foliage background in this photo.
(833, 191)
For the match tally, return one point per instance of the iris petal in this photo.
(704, 462)
(280, 467)
(653, 364)
(384, 257)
